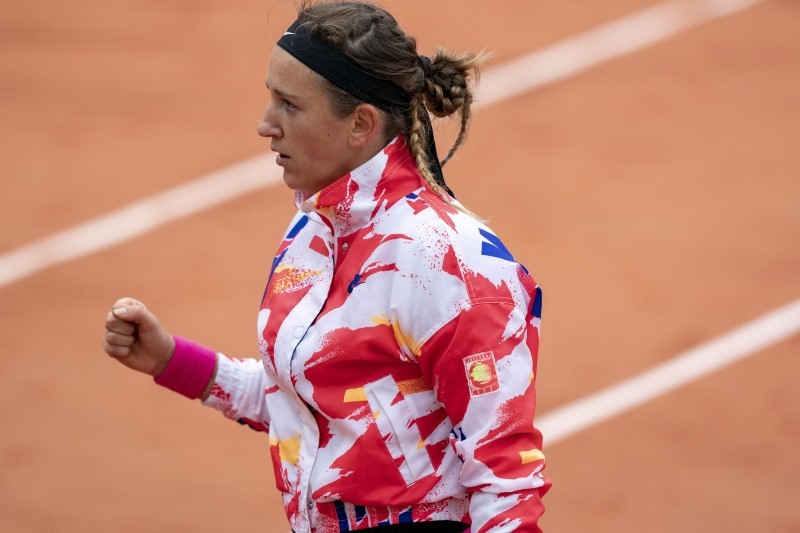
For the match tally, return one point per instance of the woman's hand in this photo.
(136, 338)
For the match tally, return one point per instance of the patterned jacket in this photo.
(399, 342)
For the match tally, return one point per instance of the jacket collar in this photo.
(352, 201)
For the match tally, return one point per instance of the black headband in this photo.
(335, 67)
(330, 63)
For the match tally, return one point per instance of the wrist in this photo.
(164, 363)
(189, 369)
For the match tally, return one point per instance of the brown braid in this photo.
(417, 140)
(447, 90)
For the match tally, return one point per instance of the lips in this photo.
(282, 158)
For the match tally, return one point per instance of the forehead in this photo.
(288, 75)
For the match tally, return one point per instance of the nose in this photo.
(268, 127)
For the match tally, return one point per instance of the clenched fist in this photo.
(136, 338)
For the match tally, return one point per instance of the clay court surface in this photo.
(656, 198)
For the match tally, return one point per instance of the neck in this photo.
(370, 149)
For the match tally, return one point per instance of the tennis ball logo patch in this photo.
(481, 374)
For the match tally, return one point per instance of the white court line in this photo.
(684, 368)
(138, 218)
(535, 70)
(629, 34)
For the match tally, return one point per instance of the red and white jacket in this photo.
(399, 342)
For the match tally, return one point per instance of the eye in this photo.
(288, 105)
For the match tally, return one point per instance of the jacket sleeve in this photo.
(483, 368)
(239, 391)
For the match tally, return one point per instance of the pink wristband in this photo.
(189, 370)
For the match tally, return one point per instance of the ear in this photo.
(365, 125)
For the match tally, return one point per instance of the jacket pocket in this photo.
(397, 425)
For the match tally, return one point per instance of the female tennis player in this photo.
(398, 335)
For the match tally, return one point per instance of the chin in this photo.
(291, 181)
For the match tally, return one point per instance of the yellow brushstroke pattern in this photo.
(380, 320)
(420, 444)
(411, 386)
(290, 450)
(355, 395)
(530, 456)
(403, 338)
(289, 278)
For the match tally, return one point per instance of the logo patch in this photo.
(481, 374)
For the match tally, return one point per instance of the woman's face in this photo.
(311, 141)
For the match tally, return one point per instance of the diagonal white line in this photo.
(525, 74)
(600, 45)
(138, 218)
(684, 368)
